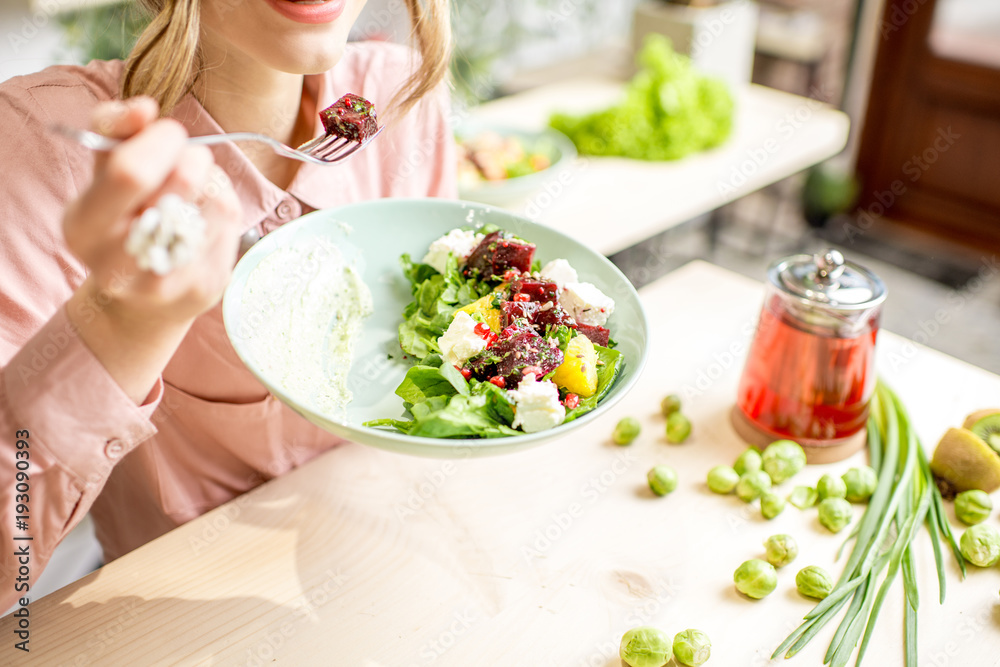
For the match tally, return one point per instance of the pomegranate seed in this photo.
(481, 329)
(498, 381)
(510, 274)
(521, 297)
(466, 373)
(491, 338)
(572, 401)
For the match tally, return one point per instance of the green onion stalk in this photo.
(905, 499)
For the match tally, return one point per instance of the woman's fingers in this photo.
(131, 174)
(189, 177)
(121, 120)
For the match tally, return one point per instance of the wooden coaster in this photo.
(817, 451)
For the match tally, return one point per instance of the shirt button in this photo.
(247, 240)
(114, 449)
(284, 211)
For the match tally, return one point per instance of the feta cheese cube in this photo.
(457, 242)
(560, 272)
(538, 407)
(587, 304)
(461, 342)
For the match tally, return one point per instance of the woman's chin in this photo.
(310, 60)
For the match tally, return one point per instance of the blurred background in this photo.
(918, 79)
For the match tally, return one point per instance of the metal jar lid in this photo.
(827, 279)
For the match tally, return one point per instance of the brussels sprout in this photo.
(752, 485)
(755, 578)
(645, 647)
(670, 404)
(981, 545)
(771, 505)
(692, 648)
(626, 430)
(678, 428)
(860, 484)
(814, 582)
(722, 479)
(748, 461)
(829, 486)
(803, 497)
(835, 514)
(780, 550)
(973, 506)
(782, 459)
(662, 479)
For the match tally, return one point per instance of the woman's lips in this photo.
(309, 11)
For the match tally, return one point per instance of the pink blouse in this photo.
(209, 431)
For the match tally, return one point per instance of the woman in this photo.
(120, 394)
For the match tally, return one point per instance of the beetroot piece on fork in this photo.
(351, 117)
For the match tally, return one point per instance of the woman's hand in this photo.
(131, 319)
(154, 160)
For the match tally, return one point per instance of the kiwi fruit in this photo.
(985, 424)
(963, 461)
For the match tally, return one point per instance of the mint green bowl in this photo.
(373, 235)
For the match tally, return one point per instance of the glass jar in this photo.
(810, 371)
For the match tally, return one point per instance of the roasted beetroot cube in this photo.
(552, 317)
(352, 117)
(537, 315)
(515, 327)
(597, 335)
(496, 253)
(516, 310)
(536, 290)
(514, 357)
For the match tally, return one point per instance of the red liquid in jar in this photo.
(807, 385)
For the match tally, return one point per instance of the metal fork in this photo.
(324, 149)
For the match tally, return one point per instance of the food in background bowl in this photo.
(502, 165)
(489, 156)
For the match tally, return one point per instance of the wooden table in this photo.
(613, 203)
(364, 558)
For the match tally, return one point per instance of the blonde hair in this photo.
(166, 60)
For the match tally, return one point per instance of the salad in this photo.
(502, 345)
